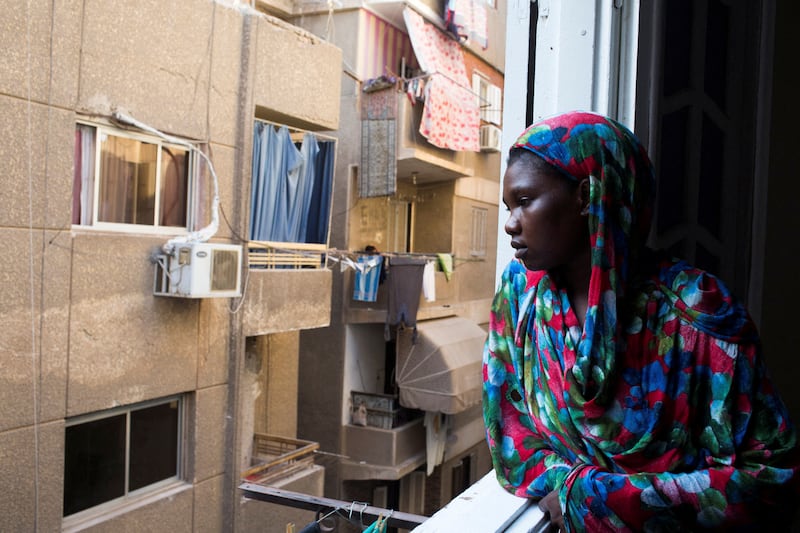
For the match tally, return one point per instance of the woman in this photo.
(623, 389)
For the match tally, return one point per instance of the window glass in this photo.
(128, 179)
(132, 448)
(154, 444)
(94, 465)
(174, 185)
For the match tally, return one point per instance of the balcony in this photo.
(446, 303)
(287, 288)
(275, 457)
(280, 464)
(378, 453)
(390, 134)
(420, 161)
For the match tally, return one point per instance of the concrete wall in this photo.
(495, 52)
(433, 218)
(273, 366)
(81, 329)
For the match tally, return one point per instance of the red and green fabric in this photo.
(657, 414)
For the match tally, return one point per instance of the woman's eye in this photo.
(522, 202)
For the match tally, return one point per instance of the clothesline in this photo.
(484, 101)
(297, 133)
(350, 258)
(364, 512)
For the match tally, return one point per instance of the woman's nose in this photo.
(512, 224)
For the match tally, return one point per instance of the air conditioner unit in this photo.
(199, 270)
(490, 138)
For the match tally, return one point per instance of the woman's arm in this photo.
(752, 487)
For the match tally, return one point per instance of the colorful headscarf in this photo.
(588, 145)
(622, 186)
(662, 384)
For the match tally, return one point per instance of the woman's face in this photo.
(547, 218)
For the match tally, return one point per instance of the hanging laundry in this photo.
(436, 426)
(466, 19)
(446, 264)
(367, 278)
(451, 116)
(405, 288)
(378, 526)
(378, 172)
(429, 281)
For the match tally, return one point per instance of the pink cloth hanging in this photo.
(451, 116)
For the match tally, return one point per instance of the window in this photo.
(123, 178)
(110, 455)
(490, 98)
(477, 245)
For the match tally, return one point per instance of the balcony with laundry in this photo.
(422, 235)
(426, 343)
(435, 119)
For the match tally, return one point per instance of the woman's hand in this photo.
(552, 507)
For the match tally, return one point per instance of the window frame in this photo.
(192, 186)
(130, 498)
(479, 217)
(489, 97)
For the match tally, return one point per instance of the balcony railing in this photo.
(276, 457)
(269, 254)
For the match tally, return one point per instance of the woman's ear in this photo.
(584, 189)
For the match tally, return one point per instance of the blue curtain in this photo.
(319, 210)
(276, 163)
(291, 190)
(300, 197)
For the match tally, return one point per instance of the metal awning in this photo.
(442, 370)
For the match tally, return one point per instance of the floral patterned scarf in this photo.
(658, 412)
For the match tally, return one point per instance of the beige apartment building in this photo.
(188, 189)
(126, 408)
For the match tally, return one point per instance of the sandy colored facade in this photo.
(83, 334)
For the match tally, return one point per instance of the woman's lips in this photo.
(520, 252)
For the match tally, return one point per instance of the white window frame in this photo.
(479, 225)
(191, 192)
(132, 498)
(489, 97)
